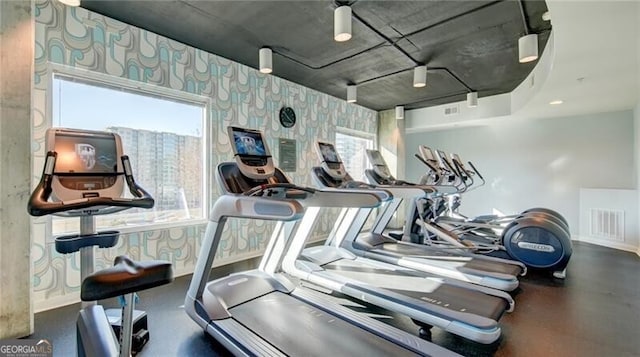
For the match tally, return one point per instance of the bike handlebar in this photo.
(39, 204)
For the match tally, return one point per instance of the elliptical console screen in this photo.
(428, 154)
(329, 154)
(85, 154)
(248, 143)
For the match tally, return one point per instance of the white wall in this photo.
(600, 222)
(531, 163)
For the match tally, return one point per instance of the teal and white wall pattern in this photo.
(238, 95)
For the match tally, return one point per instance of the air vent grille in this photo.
(452, 110)
(607, 224)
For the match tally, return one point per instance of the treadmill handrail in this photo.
(259, 207)
(345, 198)
(408, 191)
(383, 195)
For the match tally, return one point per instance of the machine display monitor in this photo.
(329, 154)
(376, 158)
(81, 154)
(427, 153)
(248, 142)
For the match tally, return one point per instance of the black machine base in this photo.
(140, 328)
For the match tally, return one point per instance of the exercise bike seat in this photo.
(125, 276)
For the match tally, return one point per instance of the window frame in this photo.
(151, 90)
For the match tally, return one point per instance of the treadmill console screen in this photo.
(248, 143)
(329, 154)
(376, 158)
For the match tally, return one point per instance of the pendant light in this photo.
(266, 60)
(399, 112)
(420, 76)
(352, 93)
(472, 99)
(342, 23)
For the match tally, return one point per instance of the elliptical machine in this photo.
(84, 176)
(538, 237)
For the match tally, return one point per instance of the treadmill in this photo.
(458, 263)
(261, 312)
(464, 309)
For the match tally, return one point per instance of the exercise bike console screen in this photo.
(85, 162)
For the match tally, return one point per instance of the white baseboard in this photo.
(608, 244)
(56, 302)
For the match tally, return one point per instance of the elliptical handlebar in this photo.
(460, 170)
(39, 204)
(436, 171)
(476, 171)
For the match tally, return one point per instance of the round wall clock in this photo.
(287, 117)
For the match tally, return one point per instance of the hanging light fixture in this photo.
(399, 112)
(352, 93)
(342, 23)
(266, 60)
(472, 99)
(73, 3)
(528, 48)
(420, 76)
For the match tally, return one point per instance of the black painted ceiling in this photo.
(467, 45)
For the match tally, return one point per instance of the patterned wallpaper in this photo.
(239, 95)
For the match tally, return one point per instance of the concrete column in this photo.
(16, 72)
(391, 143)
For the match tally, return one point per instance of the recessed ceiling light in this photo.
(555, 102)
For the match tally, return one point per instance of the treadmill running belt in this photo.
(446, 296)
(479, 264)
(299, 329)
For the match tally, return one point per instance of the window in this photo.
(352, 152)
(161, 134)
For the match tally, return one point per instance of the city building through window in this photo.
(162, 135)
(352, 150)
